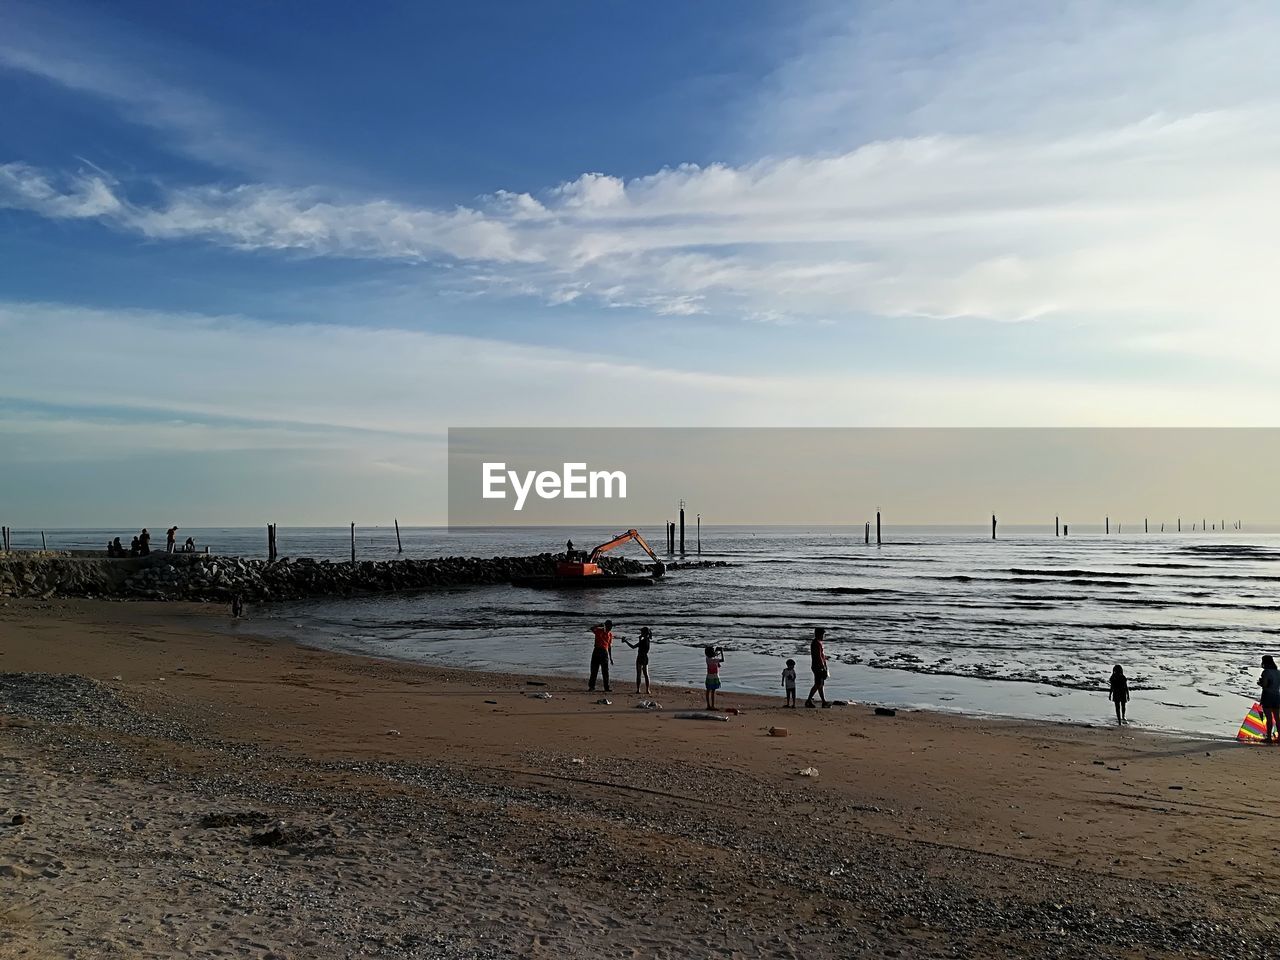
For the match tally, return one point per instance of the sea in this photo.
(941, 617)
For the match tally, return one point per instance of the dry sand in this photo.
(422, 820)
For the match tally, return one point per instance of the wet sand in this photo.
(422, 820)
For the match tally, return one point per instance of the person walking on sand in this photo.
(1270, 700)
(818, 663)
(642, 657)
(789, 683)
(170, 539)
(1119, 693)
(715, 657)
(601, 654)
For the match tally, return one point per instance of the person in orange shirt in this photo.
(601, 654)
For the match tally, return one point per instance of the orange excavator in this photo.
(589, 567)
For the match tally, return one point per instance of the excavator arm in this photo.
(618, 541)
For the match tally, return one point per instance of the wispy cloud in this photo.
(1167, 220)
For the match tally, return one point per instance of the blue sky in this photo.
(278, 249)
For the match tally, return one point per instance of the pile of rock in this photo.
(203, 577)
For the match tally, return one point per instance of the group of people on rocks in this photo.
(140, 546)
(602, 659)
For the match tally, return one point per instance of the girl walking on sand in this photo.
(715, 657)
(1119, 693)
(642, 657)
(818, 663)
(1270, 700)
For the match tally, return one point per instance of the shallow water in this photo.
(1028, 626)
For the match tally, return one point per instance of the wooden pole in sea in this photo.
(993, 526)
(1108, 525)
(399, 546)
(353, 541)
(1066, 528)
(1145, 527)
(43, 545)
(1179, 524)
(867, 533)
(878, 528)
(1057, 526)
(699, 534)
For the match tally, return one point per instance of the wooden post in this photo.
(878, 528)
(399, 546)
(1066, 528)
(993, 526)
(699, 534)
(867, 532)
(353, 541)
(1145, 527)
(43, 545)
(1179, 524)
(1057, 526)
(1108, 525)
(1162, 528)
(682, 528)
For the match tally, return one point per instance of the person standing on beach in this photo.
(642, 656)
(715, 657)
(144, 542)
(1119, 693)
(789, 683)
(601, 654)
(818, 663)
(170, 539)
(1270, 684)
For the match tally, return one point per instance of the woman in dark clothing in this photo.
(642, 656)
(1270, 684)
(1119, 694)
(818, 663)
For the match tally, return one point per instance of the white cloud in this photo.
(335, 387)
(1164, 221)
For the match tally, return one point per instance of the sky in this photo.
(256, 259)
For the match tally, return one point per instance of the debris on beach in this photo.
(648, 705)
(534, 683)
(808, 772)
(779, 732)
(282, 835)
(886, 712)
(701, 716)
(605, 701)
(393, 732)
(539, 696)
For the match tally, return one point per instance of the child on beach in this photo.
(789, 682)
(715, 657)
(642, 656)
(1119, 693)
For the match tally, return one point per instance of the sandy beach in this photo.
(183, 786)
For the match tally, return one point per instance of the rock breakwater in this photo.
(203, 577)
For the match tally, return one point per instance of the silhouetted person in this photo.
(1119, 693)
(118, 548)
(135, 547)
(170, 539)
(642, 657)
(189, 546)
(237, 606)
(601, 654)
(144, 542)
(818, 663)
(1270, 684)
